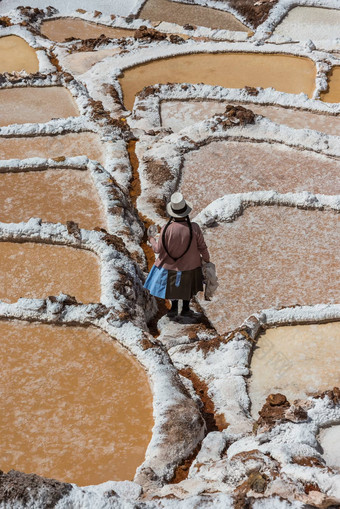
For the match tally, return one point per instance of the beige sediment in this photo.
(78, 63)
(179, 114)
(55, 195)
(35, 104)
(60, 29)
(272, 257)
(285, 73)
(182, 14)
(333, 93)
(227, 167)
(296, 361)
(62, 145)
(17, 55)
(71, 407)
(39, 270)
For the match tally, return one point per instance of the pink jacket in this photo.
(177, 239)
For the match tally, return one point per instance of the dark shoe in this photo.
(172, 313)
(188, 312)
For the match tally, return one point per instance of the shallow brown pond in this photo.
(39, 270)
(17, 55)
(75, 405)
(174, 12)
(60, 29)
(232, 70)
(295, 361)
(333, 93)
(35, 104)
(56, 195)
(272, 257)
(67, 145)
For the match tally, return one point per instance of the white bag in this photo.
(210, 280)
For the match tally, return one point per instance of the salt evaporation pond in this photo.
(78, 63)
(285, 73)
(227, 167)
(295, 361)
(66, 145)
(39, 270)
(55, 195)
(329, 439)
(17, 55)
(60, 29)
(35, 104)
(315, 23)
(179, 114)
(182, 14)
(272, 257)
(75, 405)
(333, 93)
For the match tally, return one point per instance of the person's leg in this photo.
(174, 305)
(185, 307)
(174, 308)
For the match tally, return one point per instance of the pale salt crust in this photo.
(277, 13)
(170, 150)
(225, 371)
(171, 403)
(229, 207)
(119, 7)
(146, 113)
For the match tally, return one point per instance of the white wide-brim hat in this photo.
(178, 207)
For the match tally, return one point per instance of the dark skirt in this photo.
(172, 284)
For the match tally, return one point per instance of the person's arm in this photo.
(156, 243)
(202, 247)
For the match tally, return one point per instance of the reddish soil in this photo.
(254, 11)
(214, 422)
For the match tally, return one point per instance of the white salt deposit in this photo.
(330, 442)
(315, 23)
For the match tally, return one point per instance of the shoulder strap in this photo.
(164, 241)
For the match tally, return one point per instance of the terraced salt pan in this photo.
(295, 361)
(182, 14)
(39, 270)
(333, 93)
(55, 195)
(313, 23)
(329, 439)
(179, 114)
(17, 55)
(78, 63)
(231, 70)
(272, 257)
(227, 167)
(67, 145)
(71, 408)
(35, 104)
(60, 29)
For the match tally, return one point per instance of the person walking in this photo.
(177, 272)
